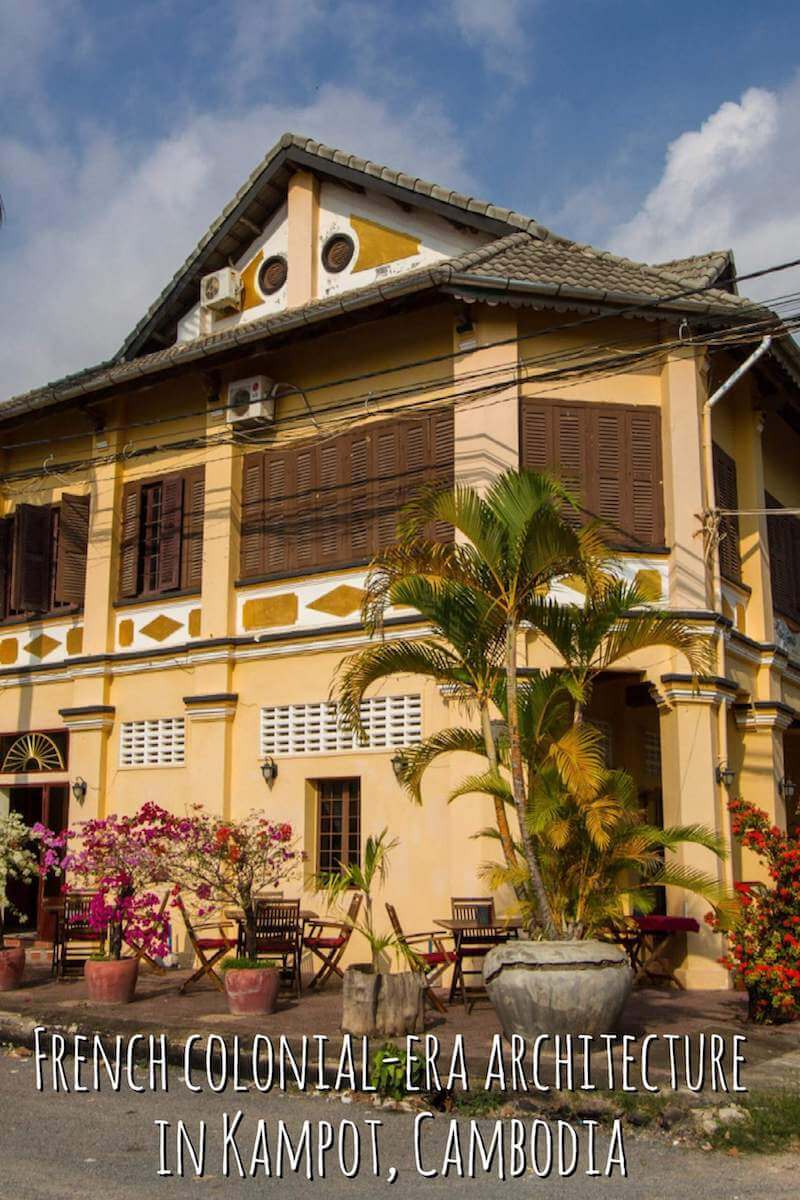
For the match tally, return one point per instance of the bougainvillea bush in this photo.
(124, 858)
(764, 944)
(223, 861)
(17, 861)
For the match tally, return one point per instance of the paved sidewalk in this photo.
(772, 1053)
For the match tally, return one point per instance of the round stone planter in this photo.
(377, 1003)
(252, 989)
(557, 987)
(111, 981)
(12, 967)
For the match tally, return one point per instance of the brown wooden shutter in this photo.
(398, 455)
(170, 532)
(129, 541)
(726, 496)
(359, 498)
(442, 468)
(30, 583)
(302, 527)
(536, 448)
(605, 486)
(6, 541)
(73, 544)
(253, 529)
(278, 500)
(643, 516)
(783, 534)
(571, 438)
(329, 509)
(193, 519)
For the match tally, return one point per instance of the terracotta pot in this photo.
(252, 989)
(111, 981)
(12, 965)
(557, 987)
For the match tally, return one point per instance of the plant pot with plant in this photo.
(17, 862)
(118, 859)
(375, 1000)
(251, 985)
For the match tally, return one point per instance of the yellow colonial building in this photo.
(186, 527)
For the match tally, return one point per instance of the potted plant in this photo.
(374, 1000)
(121, 859)
(482, 592)
(229, 862)
(19, 862)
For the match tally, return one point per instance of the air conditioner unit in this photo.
(221, 291)
(250, 400)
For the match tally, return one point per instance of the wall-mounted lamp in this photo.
(398, 766)
(787, 788)
(725, 775)
(79, 789)
(269, 770)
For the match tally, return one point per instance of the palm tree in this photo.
(352, 877)
(463, 652)
(598, 853)
(509, 546)
(615, 620)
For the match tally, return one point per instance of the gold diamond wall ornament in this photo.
(339, 602)
(42, 645)
(160, 627)
(268, 612)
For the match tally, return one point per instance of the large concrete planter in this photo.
(12, 966)
(252, 989)
(111, 981)
(557, 987)
(377, 1003)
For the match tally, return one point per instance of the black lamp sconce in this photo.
(398, 766)
(269, 770)
(725, 775)
(787, 788)
(79, 789)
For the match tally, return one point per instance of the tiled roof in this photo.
(700, 269)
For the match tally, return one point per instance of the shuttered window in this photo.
(609, 455)
(726, 494)
(157, 743)
(389, 721)
(334, 502)
(783, 533)
(43, 558)
(339, 825)
(161, 544)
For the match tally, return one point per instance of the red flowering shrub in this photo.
(764, 943)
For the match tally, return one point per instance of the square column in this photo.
(753, 538)
(689, 728)
(486, 427)
(760, 763)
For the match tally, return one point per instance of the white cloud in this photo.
(497, 29)
(105, 226)
(733, 182)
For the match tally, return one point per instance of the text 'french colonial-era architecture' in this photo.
(186, 528)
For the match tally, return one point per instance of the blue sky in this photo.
(652, 129)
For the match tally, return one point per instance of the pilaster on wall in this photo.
(753, 539)
(486, 428)
(303, 212)
(210, 720)
(682, 398)
(760, 764)
(689, 731)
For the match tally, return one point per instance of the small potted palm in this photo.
(17, 862)
(230, 863)
(374, 1000)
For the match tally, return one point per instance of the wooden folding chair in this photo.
(433, 962)
(279, 935)
(477, 935)
(139, 952)
(327, 940)
(209, 950)
(75, 939)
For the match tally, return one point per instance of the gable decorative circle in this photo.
(33, 752)
(272, 275)
(337, 252)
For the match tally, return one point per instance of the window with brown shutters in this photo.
(726, 496)
(161, 541)
(610, 457)
(334, 502)
(43, 558)
(783, 533)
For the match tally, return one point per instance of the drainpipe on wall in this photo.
(708, 454)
